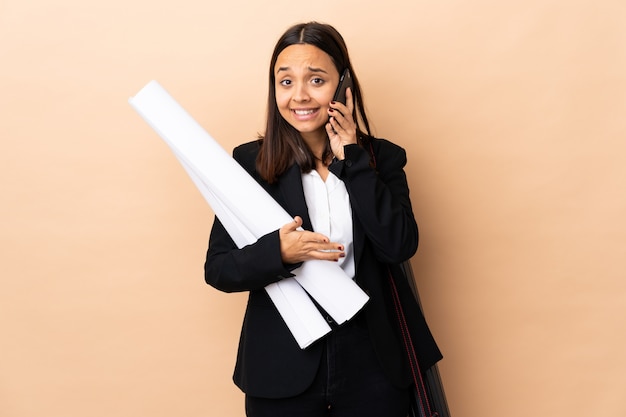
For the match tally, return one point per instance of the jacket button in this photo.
(348, 163)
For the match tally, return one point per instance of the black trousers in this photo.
(349, 383)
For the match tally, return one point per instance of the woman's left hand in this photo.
(341, 127)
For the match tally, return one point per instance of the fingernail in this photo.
(332, 102)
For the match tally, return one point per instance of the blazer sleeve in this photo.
(252, 267)
(380, 198)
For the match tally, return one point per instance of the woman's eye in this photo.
(285, 82)
(317, 81)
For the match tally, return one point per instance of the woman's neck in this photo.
(316, 142)
(322, 169)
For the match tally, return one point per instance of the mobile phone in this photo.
(344, 82)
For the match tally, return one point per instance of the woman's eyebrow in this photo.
(312, 69)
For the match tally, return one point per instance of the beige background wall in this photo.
(513, 116)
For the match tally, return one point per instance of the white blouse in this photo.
(330, 213)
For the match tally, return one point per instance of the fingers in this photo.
(341, 127)
(340, 109)
(349, 100)
(331, 251)
(292, 226)
(300, 245)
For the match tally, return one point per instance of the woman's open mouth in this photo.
(304, 114)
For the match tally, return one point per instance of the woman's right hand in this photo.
(301, 245)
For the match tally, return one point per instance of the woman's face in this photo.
(306, 79)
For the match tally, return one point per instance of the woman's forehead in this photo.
(303, 56)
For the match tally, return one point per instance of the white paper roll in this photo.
(228, 189)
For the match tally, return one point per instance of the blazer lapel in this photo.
(292, 194)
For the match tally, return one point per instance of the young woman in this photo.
(349, 193)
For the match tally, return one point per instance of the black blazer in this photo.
(270, 363)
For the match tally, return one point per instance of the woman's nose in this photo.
(301, 93)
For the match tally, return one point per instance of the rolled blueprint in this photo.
(229, 190)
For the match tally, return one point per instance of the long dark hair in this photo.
(282, 144)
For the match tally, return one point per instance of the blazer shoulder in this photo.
(246, 154)
(385, 150)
